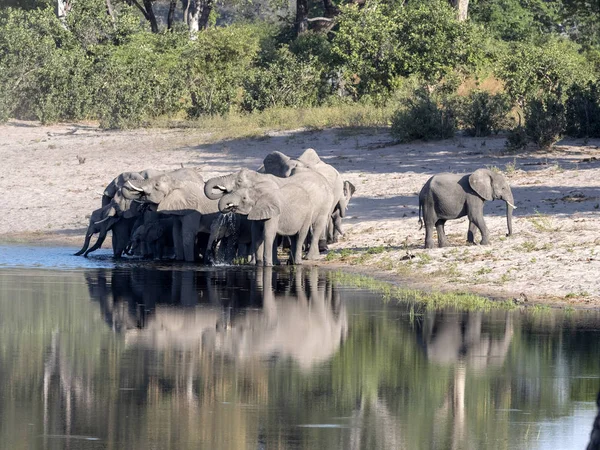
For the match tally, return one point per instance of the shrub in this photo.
(424, 118)
(380, 43)
(482, 113)
(215, 65)
(552, 67)
(544, 120)
(582, 110)
(286, 81)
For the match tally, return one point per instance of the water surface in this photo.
(136, 355)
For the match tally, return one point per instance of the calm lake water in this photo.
(134, 355)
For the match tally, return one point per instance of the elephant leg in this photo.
(471, 233)
(177, 240)
(318, 230)
(269, 234)
(257, 247)
(441, 233)
(86, 244)
(429, 233)
(297, 248)
(120, 236)
(98, 243)
(477, 219)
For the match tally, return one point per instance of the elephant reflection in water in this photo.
(457, 339)
(301, 315)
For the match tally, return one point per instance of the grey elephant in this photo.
(153, 239)
(232, 234)
(448, 196)
(281, 165)
(179, 194)
(314, 189)
(121, 180)
(284, 211)
(118, 216)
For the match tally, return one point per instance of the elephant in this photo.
(122, 179)
(233, 234)
(312, 184)
(450, 196)
(120, 216)
(284, 211)
(281, 165)
(179, 194)
(153, 239)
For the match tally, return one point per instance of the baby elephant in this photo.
(448, 196)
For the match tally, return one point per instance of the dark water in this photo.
(139, 356)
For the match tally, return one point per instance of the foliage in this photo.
(379, 43)
(286, 81)
(553, 66)
(425, 116)
(215, 65)
(482, 113)
(544, 120)
(582, 110)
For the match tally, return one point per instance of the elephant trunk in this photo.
(216, 187)
(510, 205)
(86, 243)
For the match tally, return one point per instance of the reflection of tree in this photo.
(594, 443)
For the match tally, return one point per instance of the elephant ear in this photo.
(349, 190)
(481, 182)
(278, 164)
(266, 207)
(310, 157)
(177, 202)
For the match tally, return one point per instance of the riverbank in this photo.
(53, 176)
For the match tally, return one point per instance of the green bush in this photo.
(424, 118)
(380, 43)
(582, 110)
(544, 120)
(286, 81)
(530, 70)
(482, 113)
(215, 65)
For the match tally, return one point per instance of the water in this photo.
(141, 356)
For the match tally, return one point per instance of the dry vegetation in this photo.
(53, 175)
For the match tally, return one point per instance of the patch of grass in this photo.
(577, 294)
(428, 299)
(542, 223)
(239, 125)
(483, 271)
(423, 258)
(511, 167)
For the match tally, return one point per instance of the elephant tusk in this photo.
(511, 205)
(138, 201)
(221, 188)
(133, 187)
(103, 220)
(229, 205)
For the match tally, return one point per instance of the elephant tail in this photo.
(420, 220)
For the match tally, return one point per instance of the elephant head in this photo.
(278, 164)
(177, 192)
(217, 187)
(258, 203)
(493, 186)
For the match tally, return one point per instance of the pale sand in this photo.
(553, 256)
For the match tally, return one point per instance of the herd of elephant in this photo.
(246, 215)
(241, 215)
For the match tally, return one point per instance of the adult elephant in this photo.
(316, 186)
(118, 216)
(449, 196)
(285, 211)
(121, 180)
(233, 235)
(180, 194)
(281, 165)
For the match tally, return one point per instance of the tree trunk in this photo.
(301, 16)
(150, 16)
(194, 11)
(171, 15)
(330, 9)
(462, 9)
(110, 10)
(205, 15)
(62, 9)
